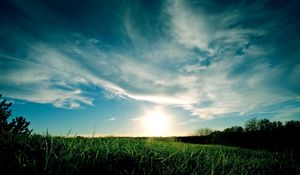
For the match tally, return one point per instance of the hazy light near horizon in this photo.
(156, 123)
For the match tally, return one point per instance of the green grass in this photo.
(57, 155)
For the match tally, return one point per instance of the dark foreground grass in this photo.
(56, 155)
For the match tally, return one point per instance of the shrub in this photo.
(19, 125)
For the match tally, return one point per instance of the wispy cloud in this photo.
(112, 119)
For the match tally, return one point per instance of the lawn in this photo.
(57, 155)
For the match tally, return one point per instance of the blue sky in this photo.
(99, 65)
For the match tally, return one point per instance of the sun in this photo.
(156, 123)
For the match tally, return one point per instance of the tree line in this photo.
(252, 125)
(263, 125)
(262, 134)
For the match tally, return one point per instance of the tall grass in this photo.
(57, 155)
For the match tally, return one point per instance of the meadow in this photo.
(36, 154)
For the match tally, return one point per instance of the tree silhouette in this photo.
(292, 124)
(19, 125)
(238, 129)
(261, 134)
(251, 125)
(202, 132)
(5, 113)
(277, 124)
(264, 125)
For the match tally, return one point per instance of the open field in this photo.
(56, 155)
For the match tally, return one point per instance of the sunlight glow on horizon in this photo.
(156, 123)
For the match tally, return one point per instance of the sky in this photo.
(99, 67)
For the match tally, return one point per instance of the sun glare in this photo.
(156, 123)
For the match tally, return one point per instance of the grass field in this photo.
(56, 155)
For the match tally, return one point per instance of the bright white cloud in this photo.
(189, 28)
